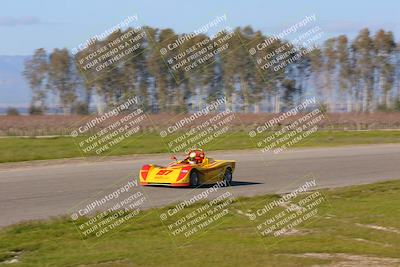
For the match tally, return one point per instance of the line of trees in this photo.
(359, 75)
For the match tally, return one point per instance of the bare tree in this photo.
(35, 72)
(345, 89)
(62, 79)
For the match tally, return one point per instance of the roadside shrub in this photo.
(11, 111)
(35, 110)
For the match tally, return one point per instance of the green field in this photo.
(13, 149)
(357, 226)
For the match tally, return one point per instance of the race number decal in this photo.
(163, 172)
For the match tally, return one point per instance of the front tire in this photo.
(228, 177)
(194, 179)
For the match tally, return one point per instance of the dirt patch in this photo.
(349, 260)
(116, 263)
(13, 258)
(380, 228)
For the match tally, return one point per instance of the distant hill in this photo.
(14, 91)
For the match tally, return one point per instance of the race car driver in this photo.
(192, 158)
(196, 157)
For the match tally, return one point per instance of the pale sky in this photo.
(26, 25)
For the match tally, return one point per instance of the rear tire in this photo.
(194, 179)
(228, 177)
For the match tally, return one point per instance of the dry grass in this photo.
(63, 125)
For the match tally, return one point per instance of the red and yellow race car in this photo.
(196, 169)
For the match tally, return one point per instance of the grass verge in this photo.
(359, 227)
(15, 149)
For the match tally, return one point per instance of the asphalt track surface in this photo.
(43, 189)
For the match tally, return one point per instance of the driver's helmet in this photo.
(196, 156)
